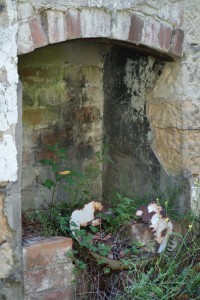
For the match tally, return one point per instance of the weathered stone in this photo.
(151, 32)
(164, 36)
(46, 253)
(39, 117)
(177, 42)
(38, 32)
(6, 255)
(24, 10)
(56, 26)
(8, 158)
(176, 93)
(165, 114)
(136, 29)
(87, 114)
(167, 146)
(120, 28)
(73, 24)
(95, 23)
(25, 42)
(63, 103)
(177, 114)
(65, 294)
(190, 151)
(45, 279)
(46, 265)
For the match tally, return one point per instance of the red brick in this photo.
(177, 42)
(52, 136)
(136, 29)
(73, 24)
(164, 36)
(38, 32)
(43, 154)
(46, 252)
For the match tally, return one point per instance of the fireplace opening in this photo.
(84, 95)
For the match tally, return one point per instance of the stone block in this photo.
(47, 278)
(64, 294)
(95, 23)
(24, 42)
(120, 27)
(151, 32)
(6, 255)
(164, 36)
(43, 154)
(8, 158)
(38, 31)
(177, 42)
(87, 114)
(165, 114)
(56, 26)
(46, 266)
(53, 136)
(136, 29)
(73, 24)
(46, 252)
(168, 148)
(191, 115)
(179, 114)
(24, 11)
(39, 117)
(190, 151)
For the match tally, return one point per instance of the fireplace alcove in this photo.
(82, 95)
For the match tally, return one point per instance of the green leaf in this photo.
(46, 161)
(93, 229)
(48, 183)
(69, 179)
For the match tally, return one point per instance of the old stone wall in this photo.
(62, 104)
(172, 107)
(10, 156)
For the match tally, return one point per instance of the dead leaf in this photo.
(64, 172)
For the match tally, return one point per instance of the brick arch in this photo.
(127, 28)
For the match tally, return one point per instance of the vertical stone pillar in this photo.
(174, 109)
(10, 157)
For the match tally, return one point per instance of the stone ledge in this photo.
(47, 269)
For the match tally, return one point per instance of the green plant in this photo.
(76, 185)
(168, 278)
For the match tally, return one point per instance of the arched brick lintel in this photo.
(130, 29)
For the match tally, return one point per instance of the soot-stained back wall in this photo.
(127, 78)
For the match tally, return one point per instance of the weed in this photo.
(169, 277)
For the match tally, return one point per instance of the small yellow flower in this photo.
(167, 219)
(64, 172)
(190, 226)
